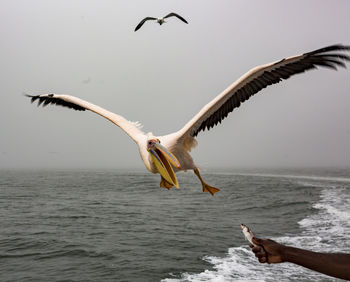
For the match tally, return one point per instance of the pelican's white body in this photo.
(133, 129)
(176, 148)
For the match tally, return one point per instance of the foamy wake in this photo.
(326, 230)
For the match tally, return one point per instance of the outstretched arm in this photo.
(332, 264)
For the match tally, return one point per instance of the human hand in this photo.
(268, 250)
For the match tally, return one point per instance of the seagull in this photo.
(159, 20)
(170, 153)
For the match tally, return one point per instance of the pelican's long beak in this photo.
(164, 160)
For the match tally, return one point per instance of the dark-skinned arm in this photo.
(332, 264)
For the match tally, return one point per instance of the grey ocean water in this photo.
(119, 226)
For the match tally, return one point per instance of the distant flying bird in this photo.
(159, 20)
(170, 153)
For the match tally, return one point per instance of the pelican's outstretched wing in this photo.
(175, 15)
(255, 80)
(131, 128)
(143, 21)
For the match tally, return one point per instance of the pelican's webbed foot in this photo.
(164, 183)
(206, 187)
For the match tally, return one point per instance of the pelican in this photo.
(170, 153)
(159, 20)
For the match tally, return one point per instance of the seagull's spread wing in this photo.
(175, 15)
(143, 21)
(131, 128)
(255, 80)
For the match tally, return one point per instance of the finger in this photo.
(259, 250)
(262, 260)
(260, 255)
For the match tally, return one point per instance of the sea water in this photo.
(104, 225)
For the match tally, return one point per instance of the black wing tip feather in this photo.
(334, 47)
(142, 22)
(176, 15)
(139, 25)
(33, 98)
(50, 99)
(330, 56)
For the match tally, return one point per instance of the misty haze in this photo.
(163, 75)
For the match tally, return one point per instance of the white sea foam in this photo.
(327, 229)
(295, 176)
(331, 222)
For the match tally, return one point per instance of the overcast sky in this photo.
(163, 75)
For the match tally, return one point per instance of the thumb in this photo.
(257, 241)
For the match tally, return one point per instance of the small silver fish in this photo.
(248, 234)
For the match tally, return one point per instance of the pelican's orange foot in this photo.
(164, 183)
(207, 188)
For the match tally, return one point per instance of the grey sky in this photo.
(163, 75)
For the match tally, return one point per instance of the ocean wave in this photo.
(78, 252)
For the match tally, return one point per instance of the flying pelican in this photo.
(169, 154)
(159, 20)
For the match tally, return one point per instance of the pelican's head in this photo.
(152, 143)
(163, 160)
